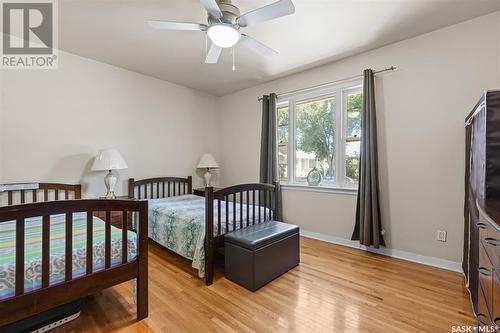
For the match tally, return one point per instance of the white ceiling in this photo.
(115, 32)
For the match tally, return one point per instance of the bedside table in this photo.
(201, 191)
(117, 217)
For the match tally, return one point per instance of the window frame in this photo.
(340, 92)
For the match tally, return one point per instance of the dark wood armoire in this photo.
(481, 257)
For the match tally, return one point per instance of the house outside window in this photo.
(321, 129)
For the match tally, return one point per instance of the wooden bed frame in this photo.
(47, 188)
(25, 304)
(253, 195)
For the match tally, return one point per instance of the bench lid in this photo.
(262, 234)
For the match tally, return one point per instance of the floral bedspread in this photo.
(178, 223)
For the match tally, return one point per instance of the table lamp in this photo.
(208, 162)
(109, 159)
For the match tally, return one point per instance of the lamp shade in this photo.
(109, 159)
(207, 161)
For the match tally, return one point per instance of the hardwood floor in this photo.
(334, 289)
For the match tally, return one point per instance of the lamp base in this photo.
(110, 182)
(208, 177)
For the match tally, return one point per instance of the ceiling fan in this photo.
(224, 23)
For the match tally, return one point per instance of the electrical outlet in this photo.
(441, 235)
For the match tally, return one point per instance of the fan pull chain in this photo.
(234, 67)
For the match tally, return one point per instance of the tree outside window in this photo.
(325, 133)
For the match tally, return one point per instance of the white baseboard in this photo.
(414, 257)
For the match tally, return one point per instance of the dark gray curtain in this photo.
(368, 226)
(269, 146)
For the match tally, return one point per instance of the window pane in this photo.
(283, 124)
(283, 141)
(354, 104)
(283, 115)
(315, 139)
(352, 150)
(282, 161)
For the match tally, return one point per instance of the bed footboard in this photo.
(27, 303)
(249, 204)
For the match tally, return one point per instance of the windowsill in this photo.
(324, 189)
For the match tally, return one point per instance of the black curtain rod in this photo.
(392, 68)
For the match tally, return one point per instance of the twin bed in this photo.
(194, 226)
(37, 237)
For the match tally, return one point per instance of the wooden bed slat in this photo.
(22, 197)
(269, 206)
(68, 257)
(265, 205)
(9, 198)
(209, 239)
(107, 241)
(260, 200)
(234, 211)
(34, 194)
(226, 199)
(45, 250)
(241, 209)
(253, 207)
(124, 237)
(90, 242)
(248, 208)
(19, 256)
(218, 217)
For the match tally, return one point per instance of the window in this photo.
(321, 130)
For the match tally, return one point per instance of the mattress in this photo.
(178, 223)
(33, 250)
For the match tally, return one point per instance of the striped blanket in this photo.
(178, 223)
(33, 250)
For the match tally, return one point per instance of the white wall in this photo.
(53, 122)
(421, 111)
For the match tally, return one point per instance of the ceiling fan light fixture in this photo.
(223, 35)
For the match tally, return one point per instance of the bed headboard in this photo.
(21, 193)
(160, 187)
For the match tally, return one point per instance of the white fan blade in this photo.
(257, 46)
(212, 7)
(177, 25)
(213, 54)
(269, 12)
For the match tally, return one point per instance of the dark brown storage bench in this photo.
(260, 253)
